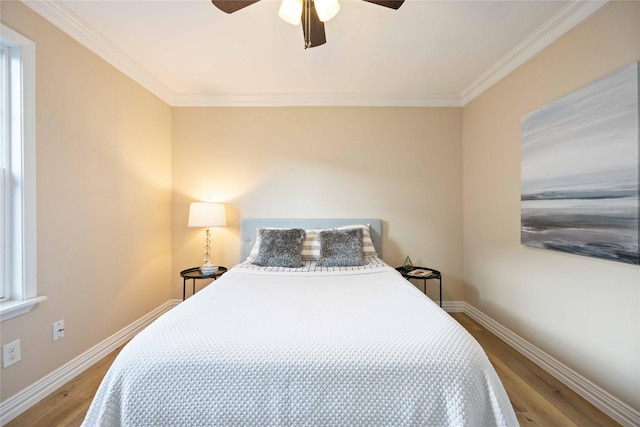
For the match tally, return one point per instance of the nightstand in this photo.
(435, 274)
(195, 274)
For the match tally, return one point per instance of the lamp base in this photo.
(208, 268)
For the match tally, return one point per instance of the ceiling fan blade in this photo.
(312, 26)
(230, 6)
(393, 4)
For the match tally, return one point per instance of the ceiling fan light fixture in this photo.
(326, 9)
(312, 14)
(291, 11)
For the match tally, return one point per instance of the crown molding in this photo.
(313, 100)
(70, 23)
(569, 17)
(78, 29)
(562, 22)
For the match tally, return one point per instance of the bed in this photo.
(312, 345)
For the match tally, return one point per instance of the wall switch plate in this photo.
(58, 330)
(10, 353)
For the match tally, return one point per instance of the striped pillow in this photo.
(311, 246)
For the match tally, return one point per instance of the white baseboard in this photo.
(26, 398)
(601, 399)
(453, 306)
(610, 405)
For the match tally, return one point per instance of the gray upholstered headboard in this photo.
(248, 229)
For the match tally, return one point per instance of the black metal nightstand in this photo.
(435, 274)
(195, 274)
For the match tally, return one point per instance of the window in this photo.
(18, 293)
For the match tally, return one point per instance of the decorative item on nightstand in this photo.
(408, 265)
(204, 214)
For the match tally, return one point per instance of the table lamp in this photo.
(204, 214)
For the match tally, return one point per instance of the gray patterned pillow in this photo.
(280, 247)
(310, 246)
(367, 244)
(341, 248)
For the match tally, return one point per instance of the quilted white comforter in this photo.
(324, 348)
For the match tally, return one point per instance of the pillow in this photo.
(280, 247)
(367, 244)
(256, 246)
(341, 248)
(310, 246)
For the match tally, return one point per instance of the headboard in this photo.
(248, 229)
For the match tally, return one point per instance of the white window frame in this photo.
(19, 266)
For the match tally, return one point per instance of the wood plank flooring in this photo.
(538, 398)
(67, 406)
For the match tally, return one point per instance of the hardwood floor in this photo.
(67, 406)
(538, 398)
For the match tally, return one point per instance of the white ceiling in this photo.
(432, 53)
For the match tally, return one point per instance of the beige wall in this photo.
(103, 202)
(403, 165)
(583, 311)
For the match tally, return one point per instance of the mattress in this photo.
(303, 347)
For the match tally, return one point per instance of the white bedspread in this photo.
(261, 348)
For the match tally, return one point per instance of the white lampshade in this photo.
(291, 11)
(326, 9)
(202, 214)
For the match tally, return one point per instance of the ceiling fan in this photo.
(312, 14)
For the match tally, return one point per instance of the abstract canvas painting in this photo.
(580, 175)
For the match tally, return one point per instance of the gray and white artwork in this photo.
(580, 173)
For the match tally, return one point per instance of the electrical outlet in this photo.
(10, 353)
(58, 330)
